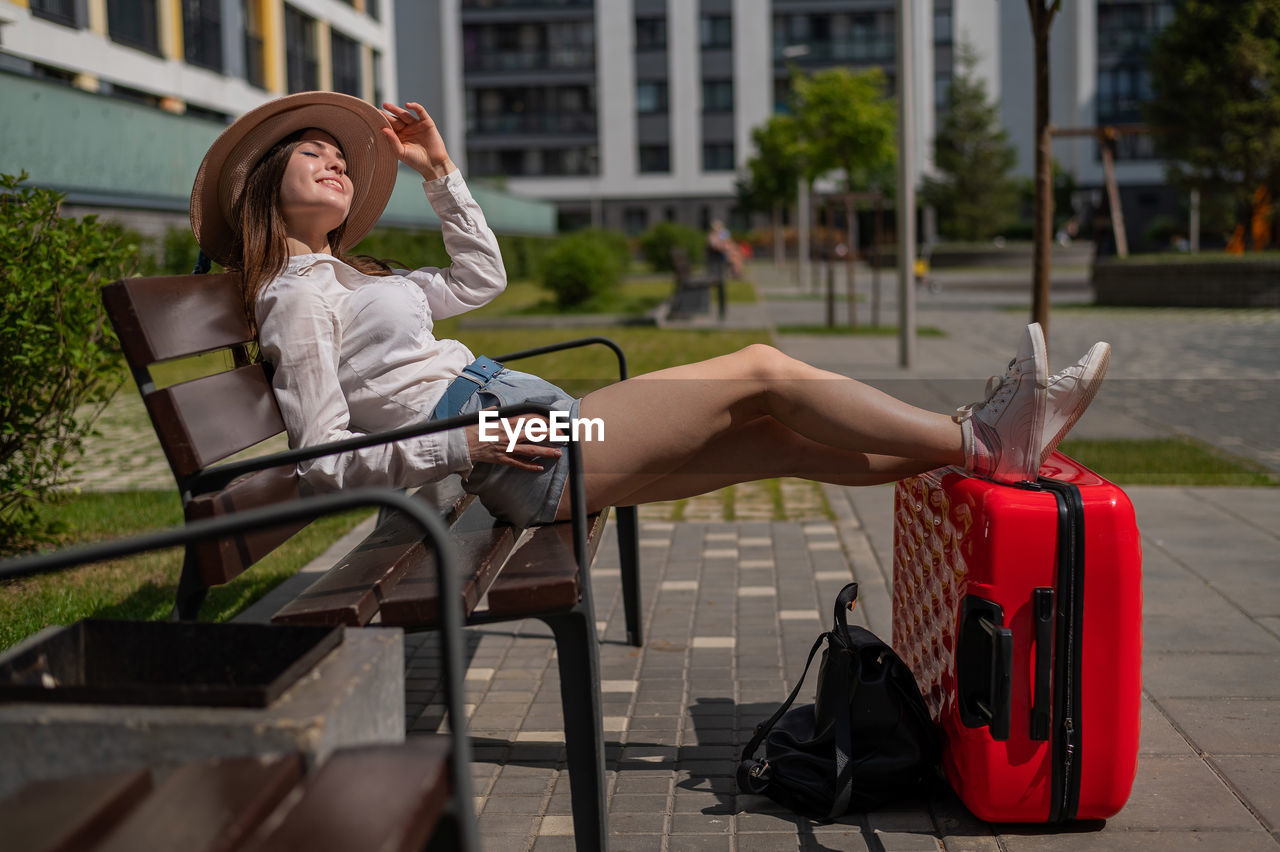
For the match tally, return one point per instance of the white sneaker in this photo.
(1002, 434)
(1070, 393)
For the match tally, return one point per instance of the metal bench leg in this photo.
(629, 560)
(575, 634)
(191, 591)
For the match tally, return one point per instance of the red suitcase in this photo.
(1019, 609)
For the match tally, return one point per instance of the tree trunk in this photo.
(851, 223)
(1042, 222)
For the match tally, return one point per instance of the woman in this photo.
(296, 182)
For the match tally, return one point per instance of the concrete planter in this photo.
(353, 695)
(1189, 283)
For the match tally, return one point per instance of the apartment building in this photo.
(627, 112)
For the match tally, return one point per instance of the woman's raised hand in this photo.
(417, 140)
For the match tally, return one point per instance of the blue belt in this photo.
(474, 376)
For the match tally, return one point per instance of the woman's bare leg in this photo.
(735, 458)
(665, 421)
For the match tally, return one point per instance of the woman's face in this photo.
(315, 193)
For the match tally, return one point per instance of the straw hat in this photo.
(355, 124)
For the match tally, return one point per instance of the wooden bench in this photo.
(367, 797)
(202, 422)
(692, 294)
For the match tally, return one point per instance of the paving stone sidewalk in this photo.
(731, 610)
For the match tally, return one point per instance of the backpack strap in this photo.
(844, 727)
(753, 774)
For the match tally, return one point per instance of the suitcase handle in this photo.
(984, 668)
(1042, 612)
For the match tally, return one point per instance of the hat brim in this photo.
(353, 123)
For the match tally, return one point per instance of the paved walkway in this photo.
(732, 608)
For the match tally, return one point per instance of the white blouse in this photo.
(355, 354)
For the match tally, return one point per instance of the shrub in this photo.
(174, 253)
(657, 242)
(60, 363)
(522, 254)
(580, 267)
(616, 241)
(405, 248)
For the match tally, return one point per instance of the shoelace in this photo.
(999, 391)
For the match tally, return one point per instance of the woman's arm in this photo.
(300, 335)
(477, 274)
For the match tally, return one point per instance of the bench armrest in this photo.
(216, 478)
(571, 344)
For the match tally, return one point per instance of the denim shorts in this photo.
(520, 497)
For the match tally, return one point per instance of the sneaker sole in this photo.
(1094, 372)
(1041, 351)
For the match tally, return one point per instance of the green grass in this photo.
(143, 586)
(582, 370)
(861, 330)
(1166, 461)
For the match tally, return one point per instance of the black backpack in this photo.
(867, 740)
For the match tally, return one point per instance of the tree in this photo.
(1215, 105)
(1042, 15)
(973, 193)
(773, 172)
(847, 121)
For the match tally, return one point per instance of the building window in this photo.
(371, 9)
(301, 59)
(655, 158)
(254, 70)
(377, 78)
(717, 31)
(133, 23)
(58, 11)
(717, 157)
(651, 96)
(635, 219)
(346, 65)
(202, 33)
(941, 90)
(717, 96)
(942, 26)
(651, 34)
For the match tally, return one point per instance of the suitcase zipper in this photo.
(1065, 788)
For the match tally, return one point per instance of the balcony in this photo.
(554, 59)
(559, 124)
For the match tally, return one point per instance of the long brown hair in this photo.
(261, 239)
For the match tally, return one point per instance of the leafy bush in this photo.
(405, 248)
(60, 363)
(522, 254)
(617, 243)
(174, 253)
(657, 242)
(580, 267)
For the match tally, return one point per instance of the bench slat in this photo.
(70, 814)
(374, 797)
(480, 545)
(542, 574)
(205, 420)
(222, 560)
(158, 319)
(211, 805)
(348, 593)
